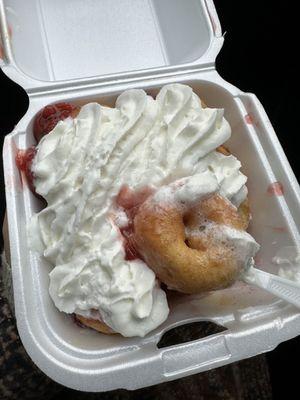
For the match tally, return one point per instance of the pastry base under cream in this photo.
(95, 324)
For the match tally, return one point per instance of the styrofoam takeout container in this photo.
(86, 50)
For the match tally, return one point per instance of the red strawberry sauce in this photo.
(24, 160)
(131, 201)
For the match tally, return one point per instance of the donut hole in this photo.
(189, 332)
(185, 219)
(195, 243)
(195, 227)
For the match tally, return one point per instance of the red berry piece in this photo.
(49, 116)
(24, 160)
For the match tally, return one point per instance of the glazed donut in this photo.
(185, 262)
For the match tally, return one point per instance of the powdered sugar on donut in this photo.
(240, 243)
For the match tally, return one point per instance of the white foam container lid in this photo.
(86, 50)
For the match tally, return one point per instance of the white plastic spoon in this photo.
(280, 287)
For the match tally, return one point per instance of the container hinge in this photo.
(88, 84)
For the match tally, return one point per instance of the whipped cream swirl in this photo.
(80, 168)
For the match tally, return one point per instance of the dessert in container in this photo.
(93, 51)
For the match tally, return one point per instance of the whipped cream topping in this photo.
(242, 244)
(80, 168)
(187, 191)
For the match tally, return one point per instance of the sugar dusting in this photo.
(238, 242)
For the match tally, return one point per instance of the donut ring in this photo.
(188, 264)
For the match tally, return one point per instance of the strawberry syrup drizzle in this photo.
(24, 160)
(131, 201)
(275, 189)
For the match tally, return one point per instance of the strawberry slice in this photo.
(49, 116)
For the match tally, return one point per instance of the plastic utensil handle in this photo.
(281, 287)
